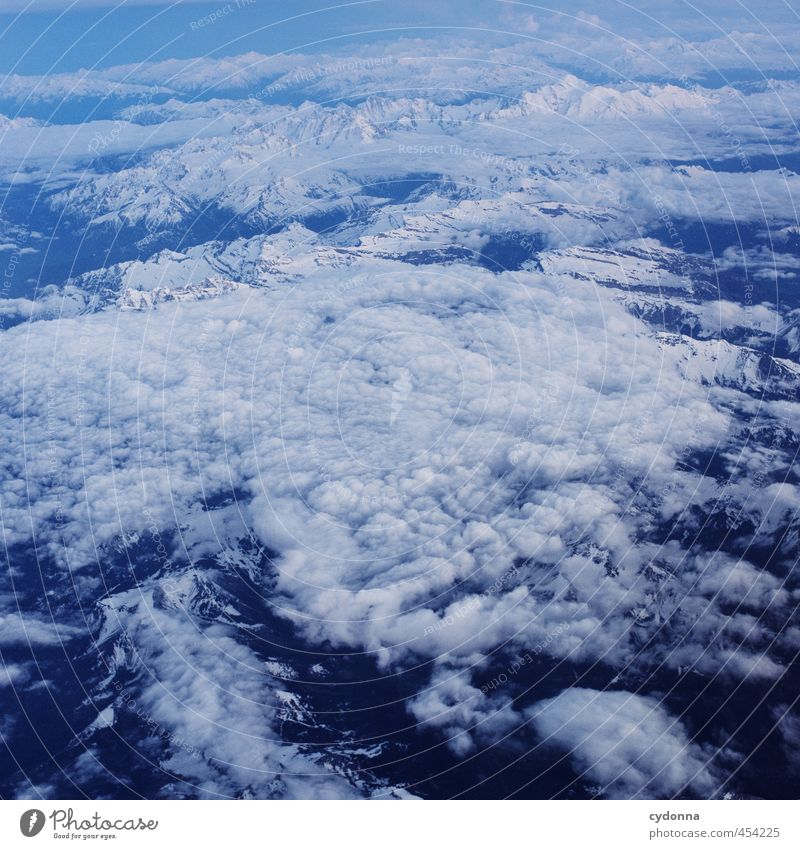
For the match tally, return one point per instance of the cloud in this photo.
(530, 24)
(208, 695)
(396, 536)
(17, 629)
(456, 709)
(591, 19)
(12, 674)
(627, 744)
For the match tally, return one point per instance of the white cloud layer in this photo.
(627, 744)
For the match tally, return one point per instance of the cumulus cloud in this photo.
(17, 629)
(398, 530)
(12, 674)
(457, 710)
(627, 744)
(207, 693)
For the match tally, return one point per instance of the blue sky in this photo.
(41, 36)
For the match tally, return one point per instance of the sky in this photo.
(44, 36)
